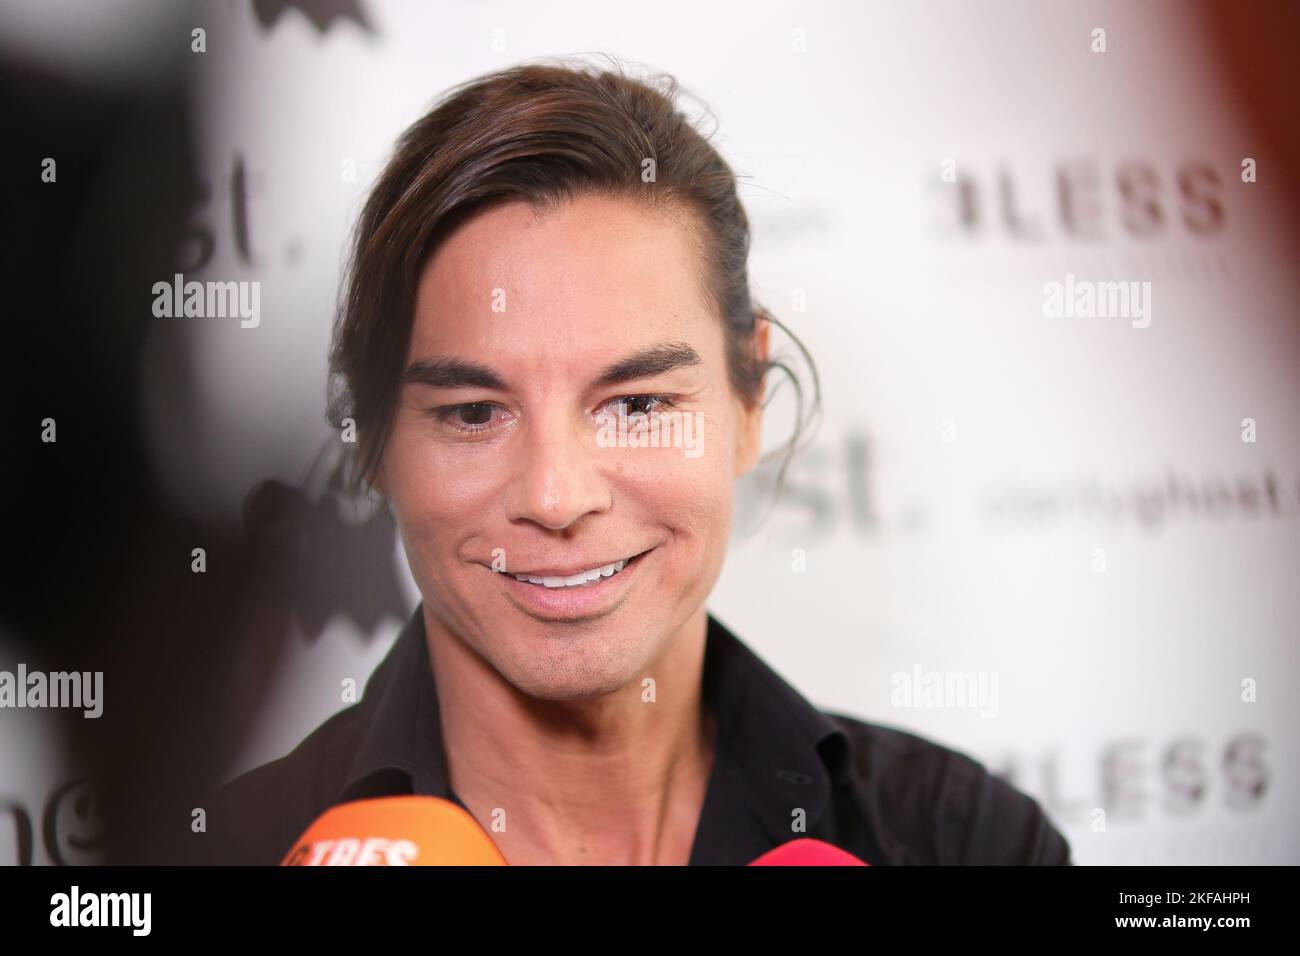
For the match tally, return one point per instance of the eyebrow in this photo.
(455, 373)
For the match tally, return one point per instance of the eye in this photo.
(640, 404)
(470, 418)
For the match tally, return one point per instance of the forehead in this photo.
(591, 275)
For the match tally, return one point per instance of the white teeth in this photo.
(576, 580)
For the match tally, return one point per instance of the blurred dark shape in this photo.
(321, 13)
(100, 576)
(21, 818)
(101, 579)
(323, 553)
(71, 828)
(1256, 43)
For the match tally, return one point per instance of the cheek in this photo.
(691, 507)
(435, 488)
(692, 498)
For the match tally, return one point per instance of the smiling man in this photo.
(494, 451)
(518, 279)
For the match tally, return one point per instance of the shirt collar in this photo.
(401, 730)
(786, 753)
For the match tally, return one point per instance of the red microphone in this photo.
(808, 852)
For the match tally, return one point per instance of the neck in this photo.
(612, 779)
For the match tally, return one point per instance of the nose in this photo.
(556, 479)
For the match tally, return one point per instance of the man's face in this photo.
(531, 337)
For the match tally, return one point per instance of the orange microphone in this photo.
(395, 831)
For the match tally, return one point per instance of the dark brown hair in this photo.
(544, 133)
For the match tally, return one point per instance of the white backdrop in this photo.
(1063, 505)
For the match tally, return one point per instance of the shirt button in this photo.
(793, 776)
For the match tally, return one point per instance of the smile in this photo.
(581, 579)
(586, 595)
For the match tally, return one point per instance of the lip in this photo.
(592, 600)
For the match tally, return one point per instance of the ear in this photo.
(749, 441)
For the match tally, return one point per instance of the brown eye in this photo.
(639, 404)
(471, 418)
(478, 413)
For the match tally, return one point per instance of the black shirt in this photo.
(883, 794)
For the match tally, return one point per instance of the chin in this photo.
(565, 683)
(570, 667)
